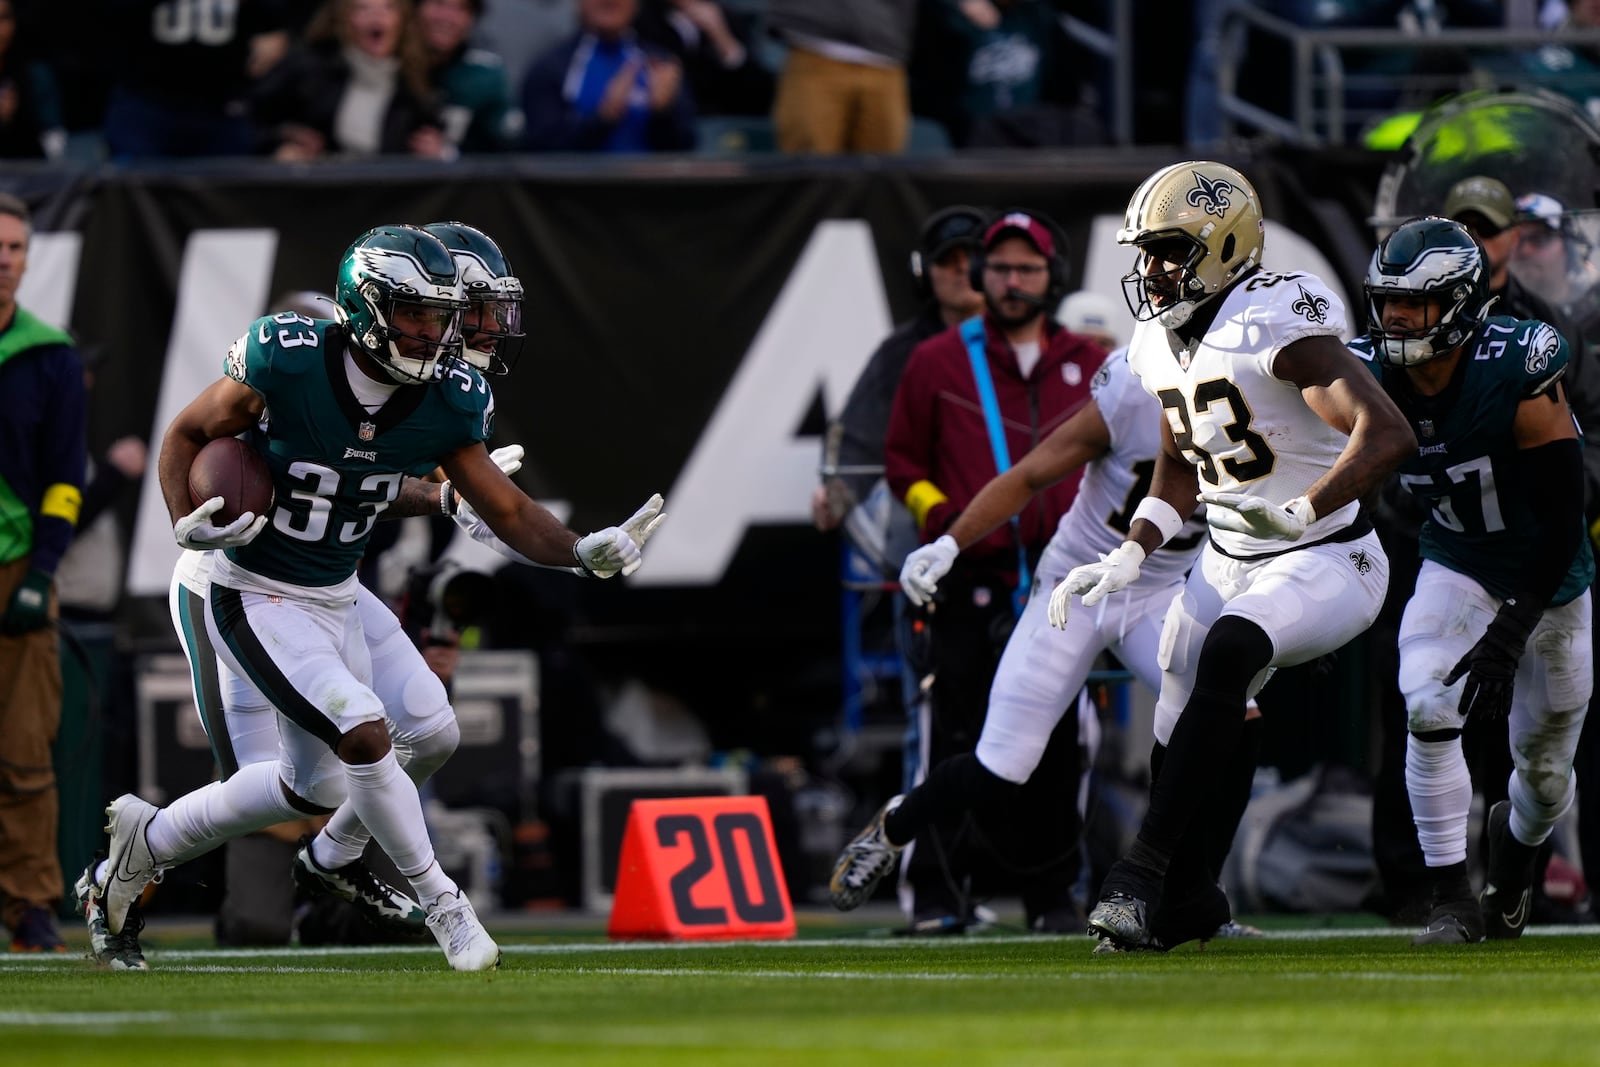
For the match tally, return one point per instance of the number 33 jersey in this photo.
(1479, 521)
(335, 466)
(1245, 430)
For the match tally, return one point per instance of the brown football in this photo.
(231, 469)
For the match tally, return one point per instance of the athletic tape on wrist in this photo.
(1160, 514)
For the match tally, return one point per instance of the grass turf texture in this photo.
(1288, 999)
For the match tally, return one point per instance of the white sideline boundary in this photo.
(901, 944)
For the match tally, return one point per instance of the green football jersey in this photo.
(335, 466)
(1479, 521)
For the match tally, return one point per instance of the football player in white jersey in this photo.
(1278, 429)
(1115, 437)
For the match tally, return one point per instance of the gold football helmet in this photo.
(1204, 218)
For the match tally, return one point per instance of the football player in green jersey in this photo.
(341, 411)
(1500, 620)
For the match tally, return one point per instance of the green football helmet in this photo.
(401, 300)
(493, 337)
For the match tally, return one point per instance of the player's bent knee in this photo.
(1434, 713)
(367, 742)
(429, 753)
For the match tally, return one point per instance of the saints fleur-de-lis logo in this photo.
(1211, 194)
(1313, 306)
(1362, 562)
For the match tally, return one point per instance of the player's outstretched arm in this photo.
(1346, 396)
(531, 531)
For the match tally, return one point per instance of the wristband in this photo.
(447, 499)
(1160, 514)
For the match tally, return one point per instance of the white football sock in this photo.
(1531, 820)
(199, 821)
(1441, 796)
(386, 801)
(345, 838)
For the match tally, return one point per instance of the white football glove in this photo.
(1116, 570)
(642, 525)
(924, 567)
(1257, 516)
(606, 553)
(196, 530)
(508, 459)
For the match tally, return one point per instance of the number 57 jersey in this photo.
(1245, 430)
(1480, 523)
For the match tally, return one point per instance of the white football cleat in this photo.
(132, 864)
(467, 945)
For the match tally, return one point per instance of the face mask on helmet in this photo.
(401, 301)
(1430, 277)
(1197, 227)
(492, 330)
(493, 326)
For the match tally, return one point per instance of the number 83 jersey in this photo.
(335, 466)
(1479, 522)
(1245, 430)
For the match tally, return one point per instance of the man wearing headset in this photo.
(973, 400)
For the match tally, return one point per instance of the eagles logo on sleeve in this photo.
(1101, 377)
(1542, 350)
(233, 365)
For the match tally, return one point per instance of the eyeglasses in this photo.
(1021, 270)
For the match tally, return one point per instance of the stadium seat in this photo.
(722, 135)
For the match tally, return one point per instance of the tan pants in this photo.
(827, 107)
(30, 713)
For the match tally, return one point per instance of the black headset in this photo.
(957, 222)
(1060, 274)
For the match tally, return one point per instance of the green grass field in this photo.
(1326, 997)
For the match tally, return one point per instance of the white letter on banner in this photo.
(51, 280)
(749, 467)
(222, 286)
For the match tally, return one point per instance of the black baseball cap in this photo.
(951, 227)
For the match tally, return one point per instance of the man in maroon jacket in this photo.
(939, 452)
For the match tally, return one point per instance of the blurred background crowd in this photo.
(435, 79)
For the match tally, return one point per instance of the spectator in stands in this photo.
(470, 83)
(30, 106)
(725, 77)
(357, 87)
(1573, 71)
(602, 90)
(520, 31)
(843, 85)
(184, 78)
(993, 72)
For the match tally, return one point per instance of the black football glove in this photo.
(1490, 665)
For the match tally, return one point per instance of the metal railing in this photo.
(1318, 110)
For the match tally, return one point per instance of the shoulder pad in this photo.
(465, 390)
(1295, 304)
(1532, 355)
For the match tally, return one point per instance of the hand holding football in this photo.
(230, 468)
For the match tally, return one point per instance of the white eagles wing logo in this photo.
(1313, 306)
(397, 269)
(1211, 194)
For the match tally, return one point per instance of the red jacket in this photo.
(937, 454)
